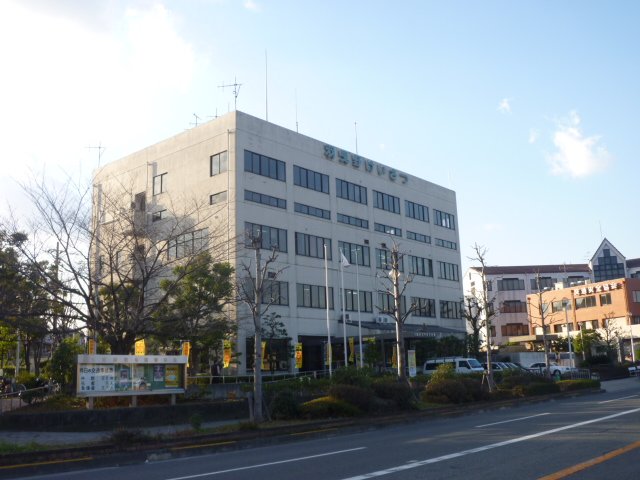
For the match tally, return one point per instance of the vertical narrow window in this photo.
(159, 183)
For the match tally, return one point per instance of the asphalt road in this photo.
(589, 437)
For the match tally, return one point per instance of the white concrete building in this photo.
(301, 193)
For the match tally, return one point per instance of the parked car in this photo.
(555, 369)
(460, 365)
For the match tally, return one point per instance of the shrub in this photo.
(571, 385)
(284, 405)
(353, 376)
(446, 390)
(512, 379)
(392, 389)
(195, 421)
(473, 385)
(324, 407)
(357, 396)
(444, 371)
(536, 388)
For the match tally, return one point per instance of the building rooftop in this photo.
(533, 269)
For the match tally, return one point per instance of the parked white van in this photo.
(460, 364)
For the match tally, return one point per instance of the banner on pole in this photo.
(352, 350)
(412, 362)
(298, 356)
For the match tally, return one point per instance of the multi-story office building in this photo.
(301, 194)
(510, 287)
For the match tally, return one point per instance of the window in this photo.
(420, 266)
(586, 302)
(507, 284)
(275, 292)
(449, 309)
(312, 246)
(636, 296)
(558, 306)
(607, 267)
(418, 237)
(313, 296)
(265, 166)
(220, 197)
(605, 299)
(575, 280)
(187, 243)
(157, 216)
(588, 325)
(269, 237)
(445, 220)
(387, 202)
(417, 211)
(448, 271)
(545, 282)
(355, 254)
(383, 260)
(514, 329)
(351, 301)
(351, 191)
(379, 227)
(265, 199)
(446, 244)
(424, 307)
(310, 179)
(386, 303)
(353, 221)
(513, 306)
(312, 211)
(159, 183)
(218, 163)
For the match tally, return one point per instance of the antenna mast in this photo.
(236, 91)
(100, 149)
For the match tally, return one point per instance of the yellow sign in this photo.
(265, 362)
(171, 376)
(226, 360)
(298, 356)
(141, 348)
(186, 350)
(326, 360)
(352, 350)
(92, 347)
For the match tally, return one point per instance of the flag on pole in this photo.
(343, 260)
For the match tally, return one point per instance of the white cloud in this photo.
(505, 105)
(533, 135)
(577, 155)
(252, 6)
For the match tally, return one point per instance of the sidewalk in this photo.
(55, 439)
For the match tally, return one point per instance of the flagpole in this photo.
(359, 320)
(326, 281)
(344, 320)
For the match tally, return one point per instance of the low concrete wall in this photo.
(112, 418)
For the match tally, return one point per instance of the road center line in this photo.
(290, 460)
(616, 399)
(409, 466)
(513, 420)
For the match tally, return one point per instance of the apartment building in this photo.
(299, 194)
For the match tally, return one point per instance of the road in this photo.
(588, 437)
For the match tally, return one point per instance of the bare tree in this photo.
(538, 315)
(473, 314)
(485, 305)
(255, 290)
(394, 284)
(111, 253)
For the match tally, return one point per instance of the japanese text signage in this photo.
(599, 288)
(361, 163)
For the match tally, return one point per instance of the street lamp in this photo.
(566, 320)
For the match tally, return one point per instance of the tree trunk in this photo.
(257, 377)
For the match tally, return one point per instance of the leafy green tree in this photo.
(275, 333)
(62, 367)
(195, 307)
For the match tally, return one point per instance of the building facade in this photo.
(253, 178)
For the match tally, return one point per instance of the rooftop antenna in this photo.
(236, 91)
(355, 127)
(195, 122)
(100, 149)
(600, 224)
(296, 101)
(266, 86)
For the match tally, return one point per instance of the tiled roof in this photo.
(533, 269)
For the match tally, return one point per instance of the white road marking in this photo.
(514, 420)
(428, 461)
(299, 459)
(616, 399)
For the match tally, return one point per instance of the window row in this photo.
(265, 199)
(446, 244)
(310, 179)
(312, 211)
(387, 202)
(353, 221)
(265, 166)
(188, 243)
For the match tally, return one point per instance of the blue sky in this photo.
(524, 108)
